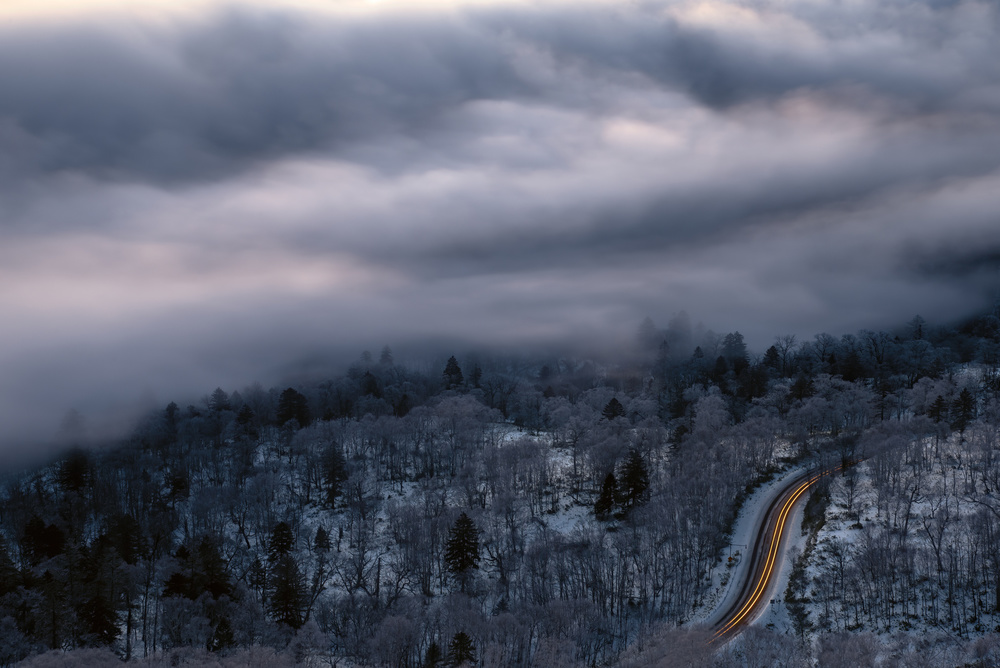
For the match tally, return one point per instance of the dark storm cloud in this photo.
(209, 198)
(205, 98)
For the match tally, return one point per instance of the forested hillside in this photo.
(532, 511)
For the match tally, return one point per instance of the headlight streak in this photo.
(777, 535)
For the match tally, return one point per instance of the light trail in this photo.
(776, 537)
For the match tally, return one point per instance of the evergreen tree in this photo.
(245, 416)
(286, 586)
(170, 416)
(210, 574)
(634, 480)
(609, 494)
(462, 549)
(802, 388)
(772, 359)
(938, 410)
(75, 471)
(735, 351)
(257, 579)
(293, 405)
(99, 620)
(282, 541)
(41, 541)
(461, 650)
(322, 541)
(219, 401)
(335, 473)
(385, 359)
(964, 411)
(452, 374)
(245, 421)
(613, 409)
(719, 371)
(286, 591)
(433, 657)
(851, 369)
(369, 385)
(403, 406)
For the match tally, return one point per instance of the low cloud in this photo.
(212, 197)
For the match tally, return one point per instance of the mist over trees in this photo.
(542, 511)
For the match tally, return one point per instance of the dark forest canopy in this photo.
(480, 505)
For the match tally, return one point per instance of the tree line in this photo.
(499, 510)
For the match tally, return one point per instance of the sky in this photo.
(199, 193)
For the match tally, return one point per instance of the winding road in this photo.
(765, 557)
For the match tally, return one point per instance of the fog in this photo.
(234, 192)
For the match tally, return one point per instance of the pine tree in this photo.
(287, 591)
(938, 410)
(282, 541)
(335, 473)
(452, 374)
(219, 401)
(385, 359)
(75, 471)
(606, 501)
(257, 579)
(720, 370)
(322, 541)
(210, 572)
(802, 388)
(433, 657)
(772, 359)
(245, 420)
(42, 541)
(100, 621)
(369, 386)
(613, 409)
(286, 586)
(462, 549)
(735, 351)
(634, 480)
(965, 410)
(293, 405)
(461, 650)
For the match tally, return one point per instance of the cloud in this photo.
(207, 197)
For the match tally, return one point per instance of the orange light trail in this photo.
(772, 555)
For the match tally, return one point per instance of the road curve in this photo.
(765, 556)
